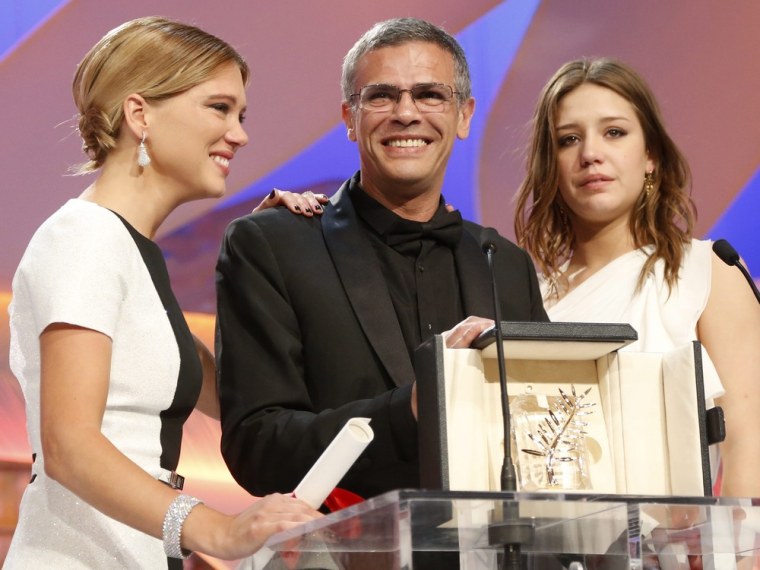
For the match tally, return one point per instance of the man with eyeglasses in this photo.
(318, 318)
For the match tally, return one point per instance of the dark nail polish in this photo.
(318, 208)
(298, 208)
(308, 210)
(272, 194)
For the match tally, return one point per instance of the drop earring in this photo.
(143, 158)
(648, 184)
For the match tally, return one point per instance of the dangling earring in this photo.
(143, 158)
(648, 183)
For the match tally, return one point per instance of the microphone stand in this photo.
(511, 532)
(508, 474)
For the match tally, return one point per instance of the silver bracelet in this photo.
(173, 521)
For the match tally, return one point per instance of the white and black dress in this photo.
(88, 267)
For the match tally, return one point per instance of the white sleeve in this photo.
(74, 271)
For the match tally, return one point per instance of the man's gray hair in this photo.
(400, 31)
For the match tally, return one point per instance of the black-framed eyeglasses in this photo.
(428, 97)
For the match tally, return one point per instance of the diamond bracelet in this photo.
(173, 521)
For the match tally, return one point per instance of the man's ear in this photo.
(135, 110)
(347, 111)
(466, 110)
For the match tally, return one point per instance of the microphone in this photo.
(729, 256)
(508, 529)
(508, 476)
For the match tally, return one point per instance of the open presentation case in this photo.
(640, 418)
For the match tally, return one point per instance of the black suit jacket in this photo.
(307, 338)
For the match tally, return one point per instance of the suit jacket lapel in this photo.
(365, 286)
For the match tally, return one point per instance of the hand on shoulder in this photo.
(306, 204)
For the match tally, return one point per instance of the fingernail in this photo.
(272, 194)
(298, 208)
(308, 210)
(318, 208)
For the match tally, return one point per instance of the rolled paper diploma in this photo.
(334, 462)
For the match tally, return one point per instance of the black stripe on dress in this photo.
(190, 371)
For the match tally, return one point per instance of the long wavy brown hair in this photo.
(663, 218)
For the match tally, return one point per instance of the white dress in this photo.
(663, 318)
(86, 266)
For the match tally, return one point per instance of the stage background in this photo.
(699, 56)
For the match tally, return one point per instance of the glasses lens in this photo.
(431, 96)
(379, 97)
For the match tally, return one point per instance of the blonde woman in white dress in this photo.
(107, 364)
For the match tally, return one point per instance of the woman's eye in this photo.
(223, 107)
(616, 133)
(568, 140)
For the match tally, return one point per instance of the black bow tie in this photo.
(405, 236)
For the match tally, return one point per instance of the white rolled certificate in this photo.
(334, 462)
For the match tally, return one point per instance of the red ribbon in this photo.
(340, 499)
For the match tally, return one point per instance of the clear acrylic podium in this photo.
(448, 529)
(647, 505)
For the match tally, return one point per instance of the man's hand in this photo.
(461, 336)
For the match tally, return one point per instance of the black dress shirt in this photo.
(417, 261)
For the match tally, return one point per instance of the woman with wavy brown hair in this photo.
(605, 212)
